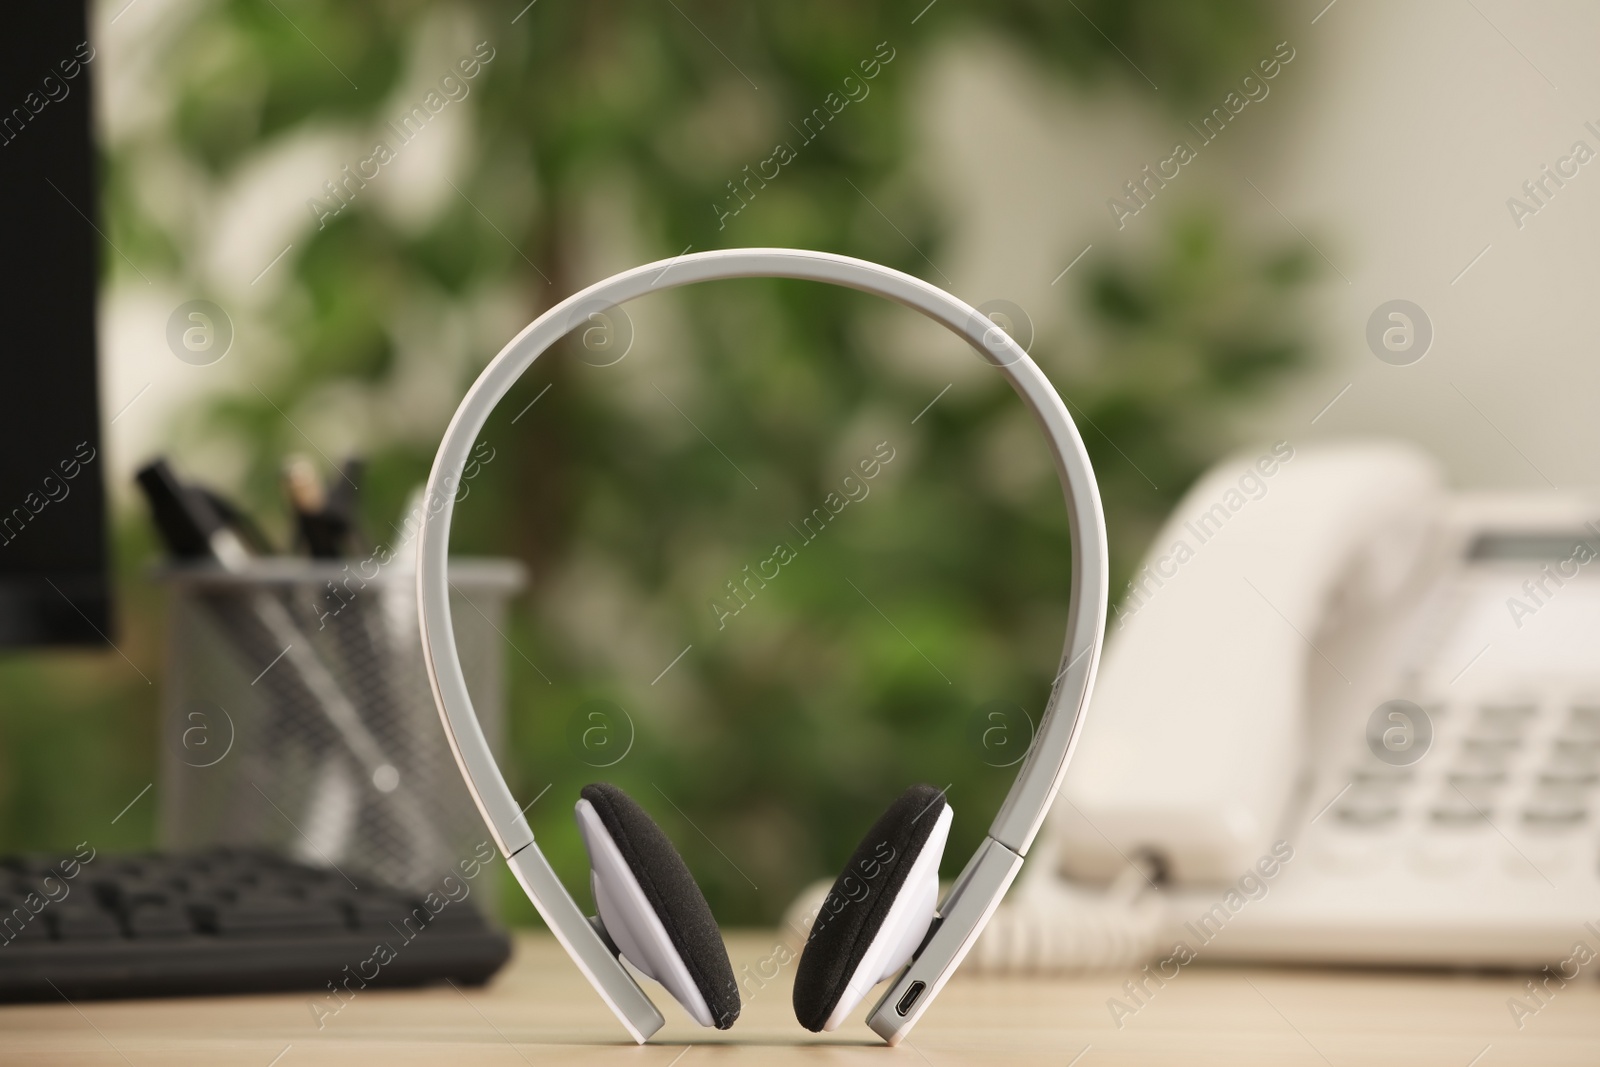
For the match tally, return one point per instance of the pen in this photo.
(195, 529)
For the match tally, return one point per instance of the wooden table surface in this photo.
(540, 1011)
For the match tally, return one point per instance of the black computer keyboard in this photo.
(226, 921)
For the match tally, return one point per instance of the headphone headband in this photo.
(979, 889)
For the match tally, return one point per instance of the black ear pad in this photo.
(672, 892)
(859, 903)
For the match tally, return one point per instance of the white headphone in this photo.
(883, 915)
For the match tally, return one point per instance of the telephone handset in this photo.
(1197, 740)
(1349, 715)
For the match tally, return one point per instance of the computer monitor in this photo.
(54, 581)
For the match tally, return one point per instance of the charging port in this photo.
(910, 998)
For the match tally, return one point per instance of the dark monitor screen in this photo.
(54, 586)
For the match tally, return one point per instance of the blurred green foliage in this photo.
(768, 749)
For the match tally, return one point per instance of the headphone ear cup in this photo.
(879, 911)
(651, 907)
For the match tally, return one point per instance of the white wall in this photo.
(1393, 140)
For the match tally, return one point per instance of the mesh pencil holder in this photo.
(297, 715)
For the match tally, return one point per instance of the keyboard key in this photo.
(1472, 794)
(1459, 815)
(1570, 778)
(1368, 816)
(455, 913)
(1555, 817)
(77, 922)
(1491, 745)
(1566, 757)
(250, 917)
(1376, 773)
(1480, 759)
(387, 913)
(1584, 721)
(1503, 720)
(159, 920)
(1557, 805)
(1561, 793)
(19, 925)
(1480, 781)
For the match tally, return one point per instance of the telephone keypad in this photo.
(1530, 768)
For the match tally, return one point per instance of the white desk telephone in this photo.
(1241, 748)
